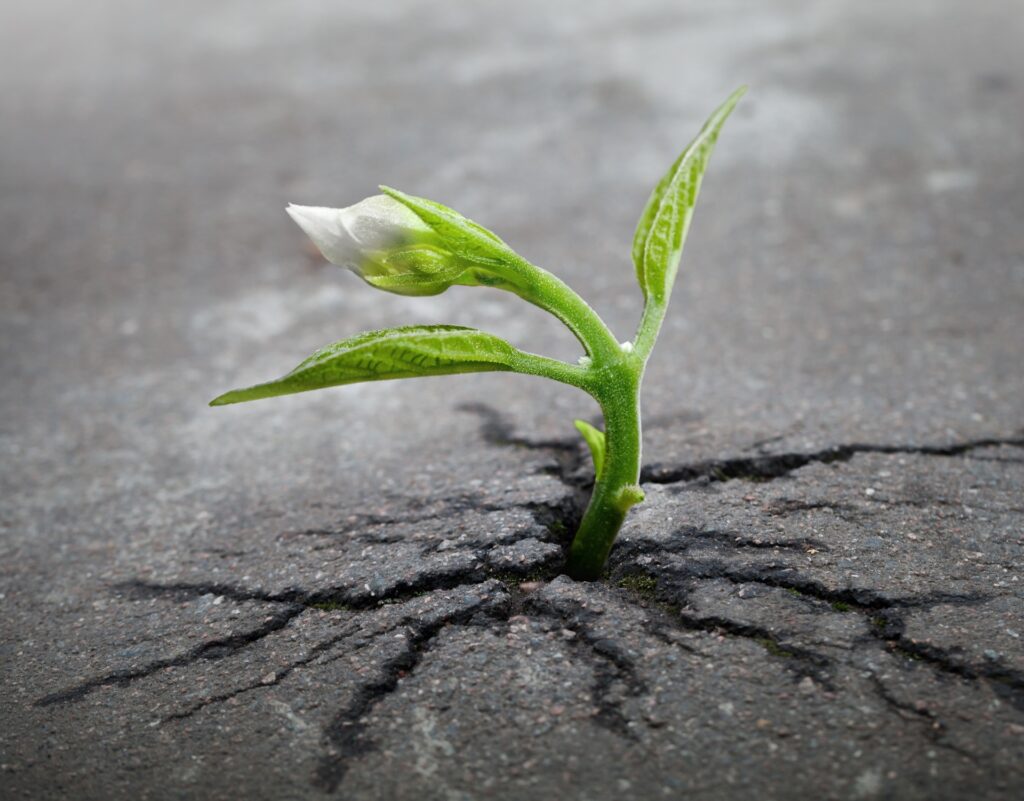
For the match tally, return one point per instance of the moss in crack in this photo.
(329, 605)
(514, 579)
(558, 530)
(841, 606)
(640, 583)
(773, 647)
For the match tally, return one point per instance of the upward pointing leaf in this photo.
(661, 232)
(595, 441)
(392, 353)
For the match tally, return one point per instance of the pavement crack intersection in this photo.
(347, 736)
(616, 675)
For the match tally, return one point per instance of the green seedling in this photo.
(411, 246)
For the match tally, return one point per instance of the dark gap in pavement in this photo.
(209, 650)
(346, 736)
(611, 665)
(773, 466)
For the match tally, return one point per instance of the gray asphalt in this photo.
(356, 593)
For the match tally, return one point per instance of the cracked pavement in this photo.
(357, 593)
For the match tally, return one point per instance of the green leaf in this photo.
(661, 232)
(392, 353)
(595, 440)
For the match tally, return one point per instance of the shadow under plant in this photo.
(834, 624)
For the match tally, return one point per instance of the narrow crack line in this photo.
(928, 503)
(846, 512)
(734, 540)
(785, 577)
(666, 612)
(768, 640)
(934, 728)
(185, 590)
(346, 736)
(611, 666)
(888, 627)
(1006, 459)
(801, 660)
(348, 597)
(860, 599)
(445, 508)
(885, 624)
(1005, 681)
(660, 630)
(279, 675)
(209, 650)
(782, 507)
(772, 466)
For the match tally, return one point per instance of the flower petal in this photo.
(324, 226)
(382, 223)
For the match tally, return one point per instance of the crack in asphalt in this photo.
(280, 675)
(354, 527)
(885, 623)
(674, 614)
(209, 650)
(352, 598)
(933, 727)
(734, 540)
(772, 466)
(611, 663)
(346, 736)
(1006, 682)
(293, 602)
(781, 576)
(616, 674)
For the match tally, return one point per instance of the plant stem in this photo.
(650, 325)
(547, 291)
(617, 489)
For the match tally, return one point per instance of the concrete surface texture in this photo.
(356, 593)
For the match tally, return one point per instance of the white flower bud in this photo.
(383, 242)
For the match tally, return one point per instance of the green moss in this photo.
(840, 606)
(331, 606)
(515, 579)
(772, 647)
(640, 583)
(794, 591)
(558, 529)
